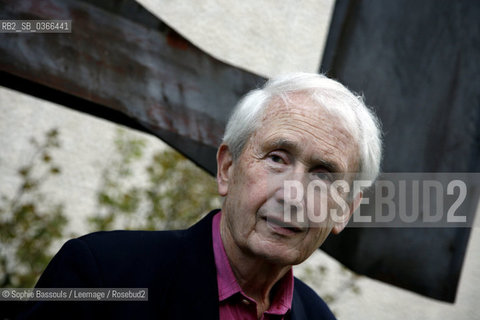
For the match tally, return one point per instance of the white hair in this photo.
(335, 98)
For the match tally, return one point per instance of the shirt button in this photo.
(245, 302)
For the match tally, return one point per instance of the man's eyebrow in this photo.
(327, 165)
(283, 144)
(295, 148)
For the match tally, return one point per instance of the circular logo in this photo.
(5, 293)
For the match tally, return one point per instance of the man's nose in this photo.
(290, 195)
(292, 184)
(300, 173)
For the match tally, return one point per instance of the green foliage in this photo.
(176, 194)
(29, 223)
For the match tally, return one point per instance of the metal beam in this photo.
(151, 74)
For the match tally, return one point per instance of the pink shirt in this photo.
(233, 302)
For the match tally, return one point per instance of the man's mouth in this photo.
(282, 227)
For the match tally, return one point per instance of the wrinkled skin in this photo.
(297, 141)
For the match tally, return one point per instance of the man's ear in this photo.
(339, 226)
(224, 165)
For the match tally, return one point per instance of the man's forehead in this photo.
(299, 102)
(302, 108)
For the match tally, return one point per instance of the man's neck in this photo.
(255, 276)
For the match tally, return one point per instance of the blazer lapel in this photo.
(297, 311)
(194, 291)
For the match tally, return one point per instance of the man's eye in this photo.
(277, 159)
(322, 176)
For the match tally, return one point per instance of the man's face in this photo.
(296, 142)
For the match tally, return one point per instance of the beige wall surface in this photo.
(87, 147)
(264, 37)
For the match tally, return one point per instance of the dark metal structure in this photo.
(416, 62)
(121, 57)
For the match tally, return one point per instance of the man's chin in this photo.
(277, 253)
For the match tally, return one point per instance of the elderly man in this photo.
(236, 263)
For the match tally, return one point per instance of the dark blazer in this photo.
(177, 267)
